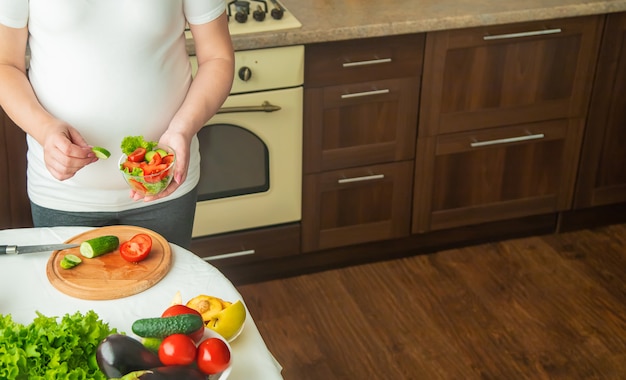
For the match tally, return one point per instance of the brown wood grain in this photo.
(14, 201)
(110, 276)
(471, 83)
(543, 307)
(602, 175)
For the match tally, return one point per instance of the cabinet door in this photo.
(360, 124)
(14, 201)
(352, 206)
(505, 75)
(602, 178)
(495, 174)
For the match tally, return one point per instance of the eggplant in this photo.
(119, 354)
(174, 372)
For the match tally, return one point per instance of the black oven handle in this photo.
(265, 107)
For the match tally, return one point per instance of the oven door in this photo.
(251, 163)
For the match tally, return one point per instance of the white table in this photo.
(24, 289)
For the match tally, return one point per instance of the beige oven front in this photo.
(251, 165)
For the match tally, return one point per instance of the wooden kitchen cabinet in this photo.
(602, 176)
(360, 126)
(356, 205)
(501, 75)
(501, 121)
(361, 101)
(15, 205)
(248, 246)
(482, 176)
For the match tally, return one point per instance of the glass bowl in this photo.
(154, 176)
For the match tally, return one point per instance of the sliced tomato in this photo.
(138, 155)
(137, 186)
(156, 159)
(154, 173)
(130, 165)
(137, 248)
(168, 159)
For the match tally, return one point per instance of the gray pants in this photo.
(171, 219)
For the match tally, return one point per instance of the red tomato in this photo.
(137, 186)
(130, 165)
(158, 170)
(182, 309)
(213, 356)
(137, 248)
(168, 159)
(138, 155)
(156, 159)
(177, 349)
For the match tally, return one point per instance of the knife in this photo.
(15, 249)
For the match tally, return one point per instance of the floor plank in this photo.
(544, 307)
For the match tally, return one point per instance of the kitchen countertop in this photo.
(333, 20)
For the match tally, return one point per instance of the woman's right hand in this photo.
(65, 151)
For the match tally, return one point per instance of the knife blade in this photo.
(17, 249)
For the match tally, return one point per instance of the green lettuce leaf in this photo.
(130, 143)
(52, 349)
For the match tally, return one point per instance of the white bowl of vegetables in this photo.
(147, 167)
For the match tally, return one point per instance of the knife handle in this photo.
(8, 249)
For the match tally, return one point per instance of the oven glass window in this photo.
(234, 161)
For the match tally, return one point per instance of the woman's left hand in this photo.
(180, 144)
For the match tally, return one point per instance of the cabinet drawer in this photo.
(356, 205)
(360, 124)
(359, 60)
(509, 172)
(248, 246)
(504, 75)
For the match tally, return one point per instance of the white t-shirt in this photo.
(110, 68)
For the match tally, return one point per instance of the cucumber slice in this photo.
(161, 152)
(99, 246)
(101, 152)
(149, 155)
(70, 261)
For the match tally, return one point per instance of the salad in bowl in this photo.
(147, 167)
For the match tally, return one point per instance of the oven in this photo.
(251, 150)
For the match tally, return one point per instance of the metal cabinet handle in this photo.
(265, 107)
(365, 63)
(229, 255)
(477, 144)
(365, 93)
(522, 34)
(359, 179)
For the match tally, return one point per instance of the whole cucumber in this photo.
(161, 327)
(120, 354)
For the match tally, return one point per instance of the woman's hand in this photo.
(180, 143)
(65, 151)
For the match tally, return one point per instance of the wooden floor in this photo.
(548, 307)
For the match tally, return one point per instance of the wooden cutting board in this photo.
(110, 276)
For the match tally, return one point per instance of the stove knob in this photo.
(277, 13)
(245, 73)
(259, 14)
(241, 17)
